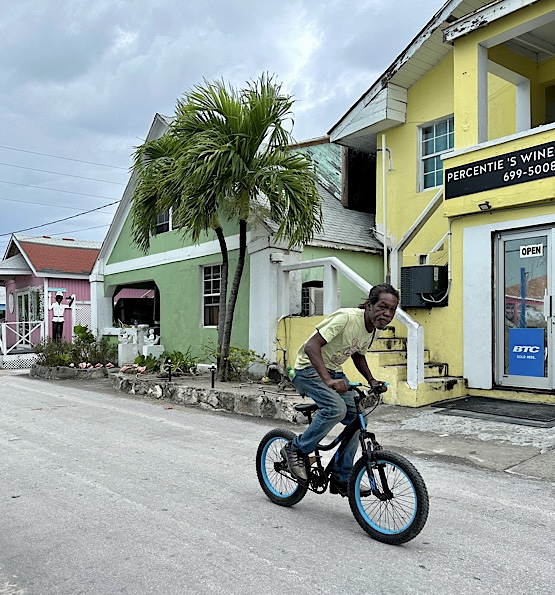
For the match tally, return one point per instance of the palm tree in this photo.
(225, 156)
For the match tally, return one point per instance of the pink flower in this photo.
(109, 365)
(82, 365)
(99, 365)
(141, 369)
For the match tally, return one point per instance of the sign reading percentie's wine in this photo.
(526, 165)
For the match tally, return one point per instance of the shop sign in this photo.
(531, 250)
(526, 352)
(526, 165)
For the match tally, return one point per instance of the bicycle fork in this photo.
(370, 446)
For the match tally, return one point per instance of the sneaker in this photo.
(342, 488)
(295, 460)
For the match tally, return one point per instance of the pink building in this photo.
(33, 270)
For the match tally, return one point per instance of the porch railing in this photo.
(20, 335)
(332, 265)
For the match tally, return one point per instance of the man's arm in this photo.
(313, 350)
(362, 366)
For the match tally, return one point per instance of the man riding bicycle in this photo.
(348, 332)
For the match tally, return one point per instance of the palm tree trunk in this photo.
(223, 292)
(224, 364)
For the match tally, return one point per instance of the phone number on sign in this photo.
(532, 170)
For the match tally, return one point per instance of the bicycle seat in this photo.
(306, 408)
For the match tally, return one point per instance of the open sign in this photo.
(531, 250)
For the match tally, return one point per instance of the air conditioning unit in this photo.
(424, 286)
(313, 301)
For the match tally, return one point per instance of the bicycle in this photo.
(396, 509)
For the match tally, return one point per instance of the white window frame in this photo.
(205, 294)
(160, 223)
(422, 158)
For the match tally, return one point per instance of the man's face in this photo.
(382, 312)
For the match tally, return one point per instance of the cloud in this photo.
(83, 79)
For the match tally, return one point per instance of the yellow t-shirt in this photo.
(345, 333)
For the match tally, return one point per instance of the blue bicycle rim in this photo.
(267, 481)
(362, 508)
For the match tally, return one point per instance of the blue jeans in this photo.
(334, 408)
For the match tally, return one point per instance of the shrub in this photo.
(240, 360)
(150, 362)
(181, 363)
(85, 349)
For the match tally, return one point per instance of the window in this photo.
(163, 222)
(212, 277)
(436, 139)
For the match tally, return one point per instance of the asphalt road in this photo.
(104, 494)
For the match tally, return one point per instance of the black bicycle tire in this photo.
(298, 491)
(360, 506)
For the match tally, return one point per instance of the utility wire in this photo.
(66, 158)
(42, 204)
(46, 171)
(53, 189)
(59, 220)
(66, 233)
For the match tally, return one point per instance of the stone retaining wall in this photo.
(266, 405)
(64, 372)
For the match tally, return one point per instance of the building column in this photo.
(264, 300)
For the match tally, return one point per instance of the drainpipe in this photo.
(385, 169)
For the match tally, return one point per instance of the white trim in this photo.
(180, 254)
(421, 157)
(499, 141)
(522, 84)
(482, 92)
(477, 321)
(203, 295)
(483, 17)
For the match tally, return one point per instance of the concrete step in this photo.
(391, 358)
(389, 344)
(397, 372)
(387, 333)
(432, 390)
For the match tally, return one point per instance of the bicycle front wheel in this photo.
(391, 505)
(271, 470)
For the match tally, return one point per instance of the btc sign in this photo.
(526, 352)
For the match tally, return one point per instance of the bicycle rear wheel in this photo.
(397, 508)
(271, 470)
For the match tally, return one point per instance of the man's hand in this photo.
(378, 386)
(337, 384)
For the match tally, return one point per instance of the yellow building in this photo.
(462, 125)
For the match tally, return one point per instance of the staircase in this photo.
(388, 361)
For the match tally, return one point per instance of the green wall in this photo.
(368, 266)
(180, 302)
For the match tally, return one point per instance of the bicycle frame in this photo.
(319, 476)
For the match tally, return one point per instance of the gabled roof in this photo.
(46, 256)
(335, 216)
(384, 104)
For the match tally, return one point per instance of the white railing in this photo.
(332, 265)
(20, 335)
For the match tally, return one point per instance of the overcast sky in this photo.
(81, 80)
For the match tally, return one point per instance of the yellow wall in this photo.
(450, 88)
(293, 331)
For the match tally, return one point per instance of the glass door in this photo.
(524, 316)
